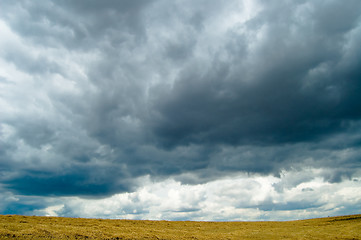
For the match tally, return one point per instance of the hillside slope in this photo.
(25, 227)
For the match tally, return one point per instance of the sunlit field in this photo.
(25, 227)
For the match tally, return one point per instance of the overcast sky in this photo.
(180, 110)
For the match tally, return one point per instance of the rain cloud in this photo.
(96, 97)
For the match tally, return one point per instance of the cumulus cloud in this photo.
(96, 96)
(238, 198)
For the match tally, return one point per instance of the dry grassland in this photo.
(23, 227)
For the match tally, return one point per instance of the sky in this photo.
(208, 110)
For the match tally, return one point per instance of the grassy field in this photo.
(23, 227)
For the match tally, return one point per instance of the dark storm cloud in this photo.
(117, 90)
(80, 181)
(291, 86)
(22, 208)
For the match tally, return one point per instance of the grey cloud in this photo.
(302, 204)
(10, 204)
(26, 208)
(292, 89)
(76, 25)
(30, 64)
(154, 89)
(79, 179)
(36, 132)
(3, 80)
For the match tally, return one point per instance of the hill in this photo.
(26, 227)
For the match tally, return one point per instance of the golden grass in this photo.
(23, 227)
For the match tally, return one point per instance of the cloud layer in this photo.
(97, 97)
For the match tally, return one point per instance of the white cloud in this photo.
(239, 198)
